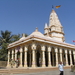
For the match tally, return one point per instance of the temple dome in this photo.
(36, 32)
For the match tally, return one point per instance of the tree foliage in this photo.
(6, 38)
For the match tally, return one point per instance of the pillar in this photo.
(8, 58)
(56, 51)
(15, 56)
(66, 58)
(60, 54)
(70, 57)
(12, 54)
(25, 55)
(43, 56)
(49, 57)
(33, 55)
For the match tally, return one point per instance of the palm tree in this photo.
(15, 38)
(6, 38)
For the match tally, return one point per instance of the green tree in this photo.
(15, 38)
(6, 38)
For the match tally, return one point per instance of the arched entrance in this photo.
(46, 56)
(68, 57)
(38, 56)
(53, 58)
(58, 55)
(63, 57)
(72, 57)
(18, 55)
(29, 56)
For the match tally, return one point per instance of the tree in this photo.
(6, 38)
(15, 38)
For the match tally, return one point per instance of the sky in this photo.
(23, 16)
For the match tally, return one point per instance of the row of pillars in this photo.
(43, 56)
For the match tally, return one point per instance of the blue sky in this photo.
(23, 16)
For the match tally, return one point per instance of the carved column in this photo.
(43, 56)
(15, 56)
(60, 54)
(25, 55)
(33, 55)
(66, 58)
(8, 58)
(12, 54)
(49, 57)
(56, 51)
(20, 56)
(70, 57)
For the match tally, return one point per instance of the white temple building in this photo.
(43, 50)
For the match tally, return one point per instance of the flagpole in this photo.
(52, 6)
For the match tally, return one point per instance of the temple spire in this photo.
(53, 19)
(55, 29)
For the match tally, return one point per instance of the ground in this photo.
(51, 72)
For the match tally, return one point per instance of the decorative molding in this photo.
(56, 32)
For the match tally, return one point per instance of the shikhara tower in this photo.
(54, 29)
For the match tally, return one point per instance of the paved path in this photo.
(55, 72)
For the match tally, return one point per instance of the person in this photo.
(60, 66)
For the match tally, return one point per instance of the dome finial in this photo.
(52, 6)
(36, 29)
(23, 35)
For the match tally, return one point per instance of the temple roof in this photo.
(41, 39)
(38, 36)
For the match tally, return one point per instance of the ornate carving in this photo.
(69, 51)
(66, 51)
(60, 50)
(33, 46)
(43, 48)
(56, 50)
(49, 48)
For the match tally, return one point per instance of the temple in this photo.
(43, 50)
